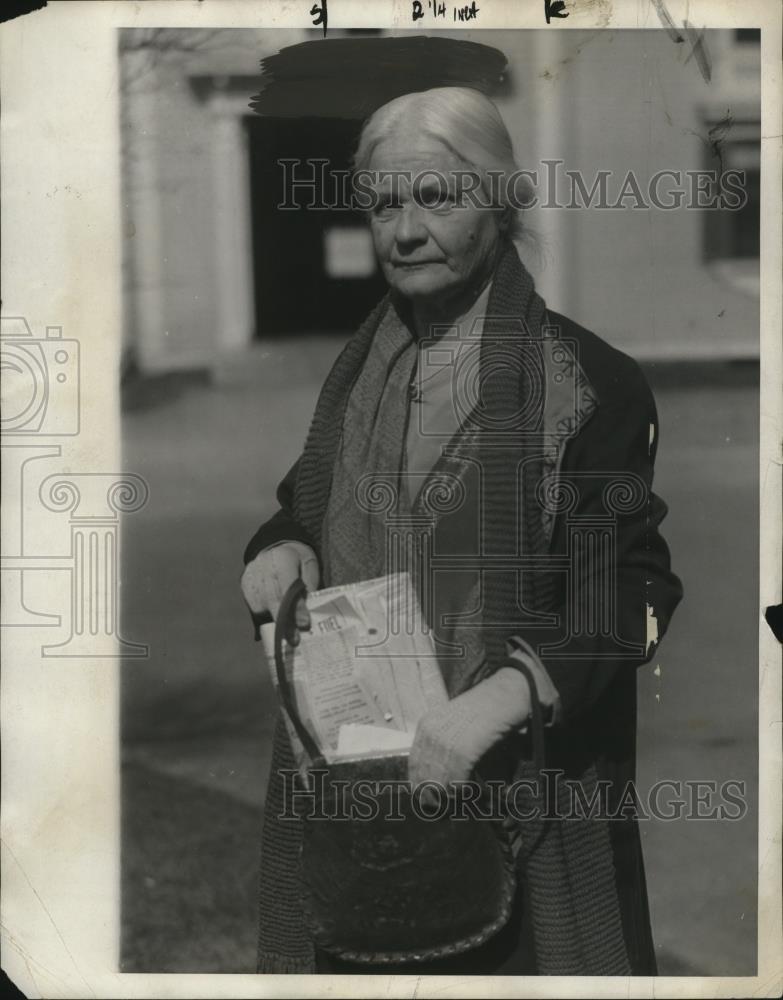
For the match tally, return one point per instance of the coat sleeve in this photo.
(282, 526)
(621, 437)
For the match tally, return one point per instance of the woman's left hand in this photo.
(451, 739)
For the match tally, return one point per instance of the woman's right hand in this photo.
(267, 578)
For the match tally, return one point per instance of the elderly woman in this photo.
(551, 437)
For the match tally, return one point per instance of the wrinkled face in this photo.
(431, 249)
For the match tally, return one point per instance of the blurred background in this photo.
(234, 312)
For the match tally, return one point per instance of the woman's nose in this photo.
(411, 228)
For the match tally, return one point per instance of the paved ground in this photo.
(197, 714)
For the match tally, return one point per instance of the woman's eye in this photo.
(441, 201)
(386, 207)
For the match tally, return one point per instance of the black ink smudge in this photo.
(352, 77)
(774, 617)
(18, 8)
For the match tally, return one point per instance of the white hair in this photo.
(462, 119)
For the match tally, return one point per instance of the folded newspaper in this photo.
(365, 672)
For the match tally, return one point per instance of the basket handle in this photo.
(536, 708)
(285, 615)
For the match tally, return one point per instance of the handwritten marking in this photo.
(438, 9)
(554, 8)
(320, 15)
(467, 13)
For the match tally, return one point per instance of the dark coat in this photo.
(611, 435)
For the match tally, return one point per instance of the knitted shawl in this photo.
(566, 866)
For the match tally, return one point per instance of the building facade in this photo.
(210, 265)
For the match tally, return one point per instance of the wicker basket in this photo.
(391, 890)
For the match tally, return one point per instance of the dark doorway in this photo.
(313, 267)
